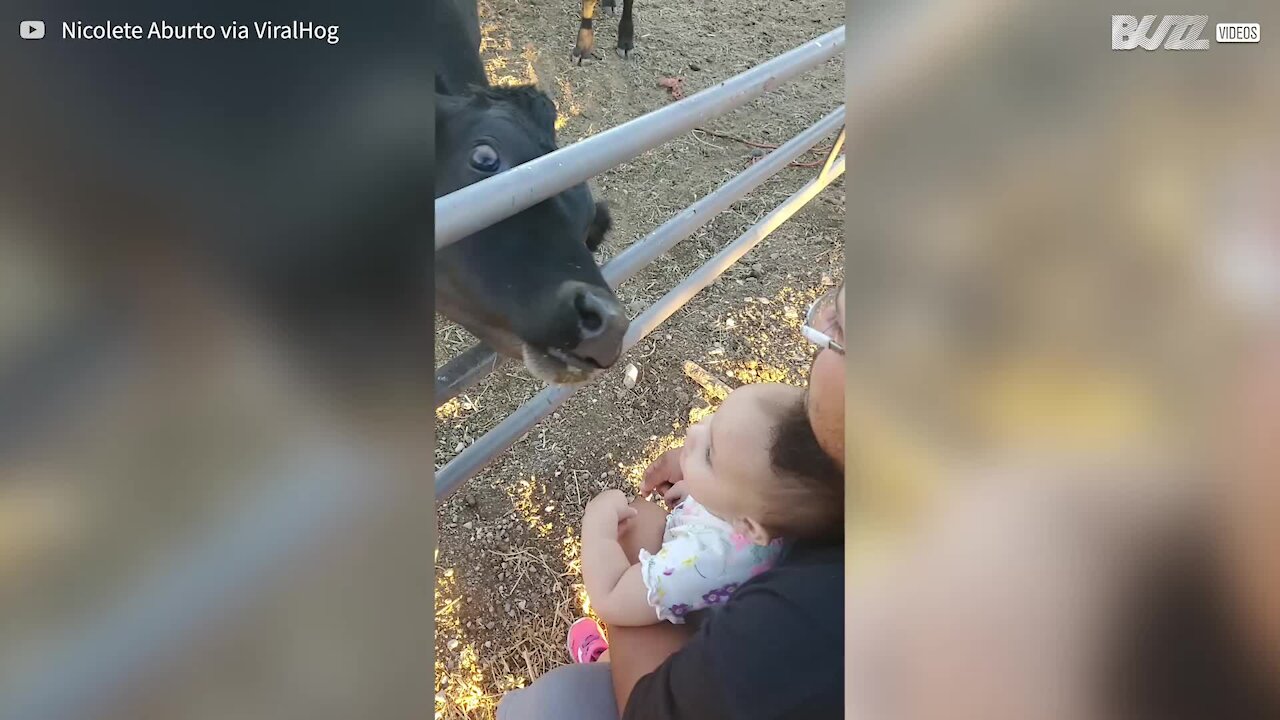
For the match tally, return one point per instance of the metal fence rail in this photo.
(478, 206)
(478, 361)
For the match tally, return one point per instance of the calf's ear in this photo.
(447, 106)
(601, 223)
(536, 103)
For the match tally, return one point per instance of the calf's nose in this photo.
(602, 324)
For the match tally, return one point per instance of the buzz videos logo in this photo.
(1176, 32)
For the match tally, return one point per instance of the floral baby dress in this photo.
(702, 562)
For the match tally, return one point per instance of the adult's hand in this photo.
(662, 475)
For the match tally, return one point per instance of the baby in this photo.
(749, 476)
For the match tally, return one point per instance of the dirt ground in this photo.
(507, 566)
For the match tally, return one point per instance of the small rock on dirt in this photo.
(631, 377)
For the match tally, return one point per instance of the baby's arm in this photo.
(614, 586)
(624, 603)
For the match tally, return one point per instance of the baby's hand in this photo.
(674, 495)
(663, 473)
(607, 513)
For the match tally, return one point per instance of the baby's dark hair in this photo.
(807, 501)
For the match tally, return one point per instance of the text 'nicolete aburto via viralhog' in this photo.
(233, 31)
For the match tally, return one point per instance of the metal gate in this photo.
(477, 206)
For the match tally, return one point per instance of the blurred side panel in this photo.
(1053, 246)
(215, 364)
(1060, 257)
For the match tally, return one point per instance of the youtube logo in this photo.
(31, 29)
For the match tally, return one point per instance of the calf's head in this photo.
(528, 285)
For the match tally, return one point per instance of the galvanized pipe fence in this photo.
(494, 199)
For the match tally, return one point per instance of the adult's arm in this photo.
(635, 652)
(783, 629)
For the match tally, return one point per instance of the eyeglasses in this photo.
(821, 320)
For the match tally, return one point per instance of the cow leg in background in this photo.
(626, 31)
(610, 6)
(586, 47)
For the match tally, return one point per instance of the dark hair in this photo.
(807, 501)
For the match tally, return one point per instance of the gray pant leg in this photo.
(582, 691)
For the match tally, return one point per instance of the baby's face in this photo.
(725, 459)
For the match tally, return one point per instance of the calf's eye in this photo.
(484, 158)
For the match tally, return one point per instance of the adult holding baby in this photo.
(772, 646)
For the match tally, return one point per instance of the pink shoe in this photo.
(586, 641)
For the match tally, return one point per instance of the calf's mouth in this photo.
(558, 367)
